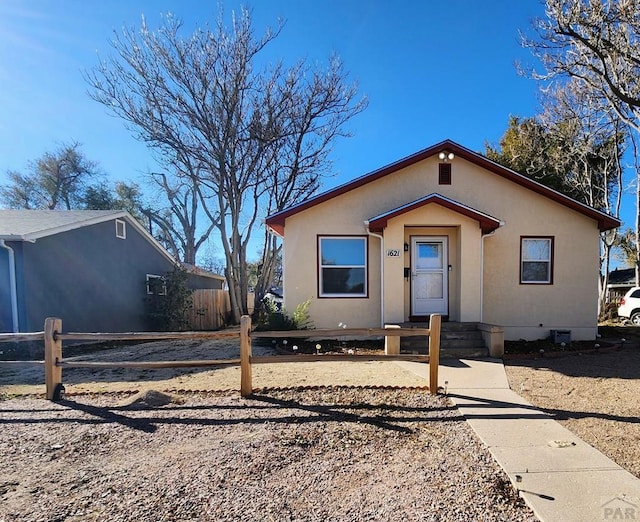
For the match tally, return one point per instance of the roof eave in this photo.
(276, 225)
(34, 236)
(605, 221)
(608, 223)
(487, 223)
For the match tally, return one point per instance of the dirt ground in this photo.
(594, 395)
(331, 431)
(21, 380)
(330, 454)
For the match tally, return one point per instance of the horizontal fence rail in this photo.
(200, 363)
(143, 336)
(54, 362)
(343, 332)
(18, 337)
(309, 357)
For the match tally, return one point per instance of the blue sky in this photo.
(431, 70)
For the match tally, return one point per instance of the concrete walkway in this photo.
(560, 476)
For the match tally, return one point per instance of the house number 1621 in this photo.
(393, 252)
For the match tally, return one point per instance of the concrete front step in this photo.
(471, 335)
(446, 326)
(456, 340)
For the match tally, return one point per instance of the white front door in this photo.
(429, 276)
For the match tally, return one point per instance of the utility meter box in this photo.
(560, 336)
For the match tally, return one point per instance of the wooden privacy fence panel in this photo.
(210, 309)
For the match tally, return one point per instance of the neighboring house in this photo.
(445, 231)
(620, 282)
(92, 268)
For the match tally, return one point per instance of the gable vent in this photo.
(121, 229)
(444, 174)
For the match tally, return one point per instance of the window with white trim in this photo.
(342, 270)
(156, 285)
(121, 229)
(536, 260)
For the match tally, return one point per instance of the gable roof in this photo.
(622, 277)
(487, 223)
(31, 225)
(605, 222)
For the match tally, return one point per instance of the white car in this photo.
(630, 306)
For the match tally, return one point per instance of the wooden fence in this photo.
(211, 309)
(52, 336)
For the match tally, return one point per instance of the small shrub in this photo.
(609, 313)
(280, 320)
(302, 317)
(167, 306)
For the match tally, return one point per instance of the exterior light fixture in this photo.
(446, 156)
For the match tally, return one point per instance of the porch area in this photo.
(457, 339)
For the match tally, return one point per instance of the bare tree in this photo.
(596, 43)
(592, 140)
(201, 101)
(629, 240)
(57, 181)
(574, 145)
(178, 223)
(312, 116)
(589, 138)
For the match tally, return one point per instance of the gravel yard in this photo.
(333, 453)
(336, 441)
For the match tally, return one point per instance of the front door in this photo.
(429, 276)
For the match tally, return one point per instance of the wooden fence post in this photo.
(52, 354)
(246, 386)
(434, 352)
(391, 343)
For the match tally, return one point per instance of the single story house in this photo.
(446, 231)
(621, 280)
(92, 268)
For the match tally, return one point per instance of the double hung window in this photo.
(536, 260)
(342, 266)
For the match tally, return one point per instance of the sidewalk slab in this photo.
(582, 496)
(561, 477)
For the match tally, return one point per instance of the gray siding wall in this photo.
(89, 278)
(5, 293)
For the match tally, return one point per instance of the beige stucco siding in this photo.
(486, 290)
(301, 267)
(530, 311)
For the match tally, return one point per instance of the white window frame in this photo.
(121, 229)
(549, 260)
(164, 284)
(321, 267)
